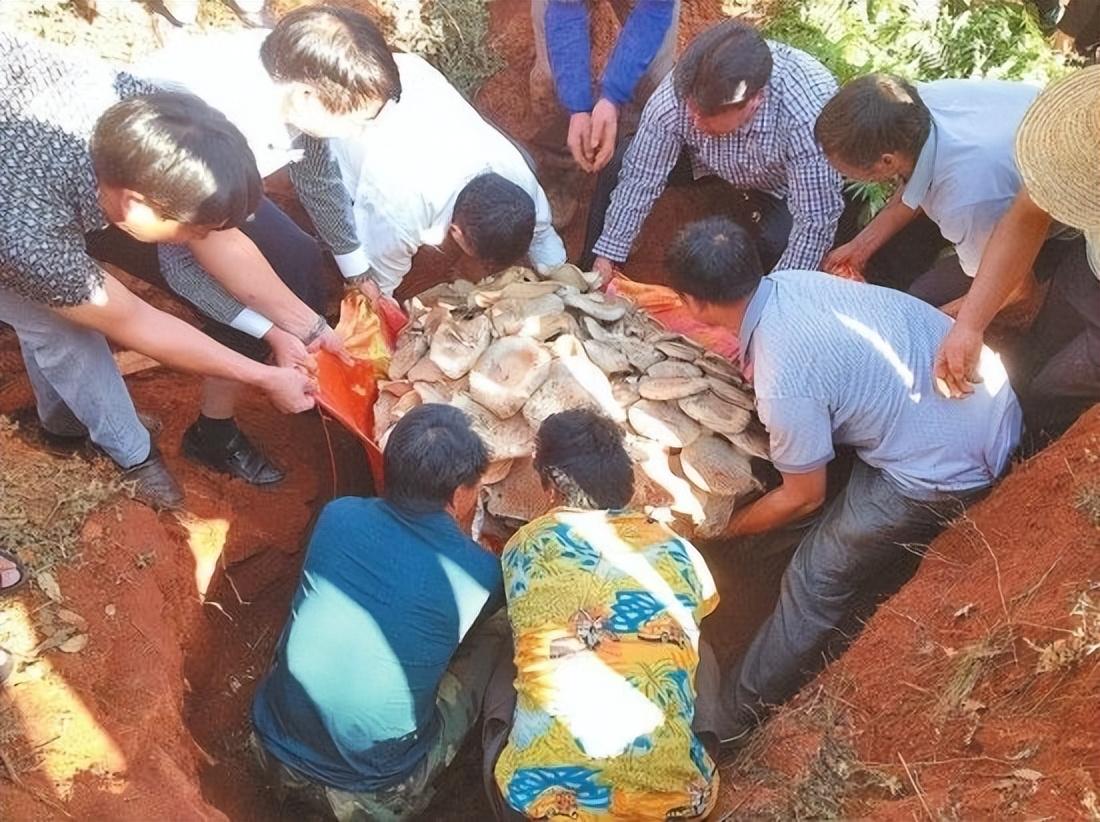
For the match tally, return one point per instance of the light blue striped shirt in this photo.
(839, 362)
(965, 177)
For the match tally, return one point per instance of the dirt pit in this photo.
(972, 693)
(939, 709)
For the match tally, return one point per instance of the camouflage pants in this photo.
(458, 703)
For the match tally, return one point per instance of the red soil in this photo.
(999, 583)
(150, 721)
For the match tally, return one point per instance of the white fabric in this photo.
(407, 167)
(224, 69)
(252, 323)
(354, 263)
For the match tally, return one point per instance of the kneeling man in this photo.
(841, 363)
(381, 669)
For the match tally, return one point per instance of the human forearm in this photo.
(773, 510)
(888, 222)
(800, 495)
(643, 178)
(1008, 259)
(815, 203)
(547, 250)
(642, 35)
(234, 261)
(134, 324)
(568, 48)
(320, 187)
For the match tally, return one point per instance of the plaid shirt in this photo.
(49, 104)
(774, 153)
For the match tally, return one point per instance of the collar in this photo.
(921, 179)
(753, 312)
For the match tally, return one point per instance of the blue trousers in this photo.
(867, 542)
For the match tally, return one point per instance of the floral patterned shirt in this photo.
(605, 610)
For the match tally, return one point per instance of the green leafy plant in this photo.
(918, 40)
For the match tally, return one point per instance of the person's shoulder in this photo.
(663, 104)
(343, 508)
(529, 534)
(796, 69)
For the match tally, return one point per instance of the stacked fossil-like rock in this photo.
(514, 349)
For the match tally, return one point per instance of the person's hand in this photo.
(328, 340)
(290, 390)
(366, 286)
(956, 369)
(288, 351)
(580, 140)
(606, 269)
(847, 261)
(605, 130)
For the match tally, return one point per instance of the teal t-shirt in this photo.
(386, 596)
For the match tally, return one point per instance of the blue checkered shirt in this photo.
(774, 153)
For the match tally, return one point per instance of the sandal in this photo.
(17, 567)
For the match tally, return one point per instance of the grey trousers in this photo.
(77, 385)
(866, 544)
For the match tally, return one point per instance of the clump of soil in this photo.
(972, 693)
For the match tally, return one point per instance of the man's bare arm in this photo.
(799, 495)
(1008, 259)
(131, 322)
(233, 260)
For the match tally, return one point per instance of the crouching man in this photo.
(381, 668)
(395, 158)
(615, 690)
(841, 363)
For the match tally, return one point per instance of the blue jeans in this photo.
(868, 541)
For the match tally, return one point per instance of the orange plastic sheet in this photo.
(668, 308)
(348, 393)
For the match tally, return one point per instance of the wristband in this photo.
(319, 328)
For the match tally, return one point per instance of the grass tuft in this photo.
(44, 499)
(968, 666)
(1088, 502)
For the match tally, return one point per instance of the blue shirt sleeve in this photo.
(639, 42)
(569, 48)
(800, 432)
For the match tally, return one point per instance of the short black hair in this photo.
(497, 217)
(873, 115)
(183, 156)
(714, 260)
(580, 453)
(337, 52)
(432, 452)
(724, 66)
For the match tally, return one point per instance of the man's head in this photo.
(713, 264)
(721, 76)
(431, 454)
(333, 68)
(580, 457)
(172, 169)
(873, 129)
(494, 220)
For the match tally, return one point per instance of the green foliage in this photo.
(453, 35)
(918, 40)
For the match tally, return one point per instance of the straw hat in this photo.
(1058, 152)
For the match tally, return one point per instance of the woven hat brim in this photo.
(1058, 149)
